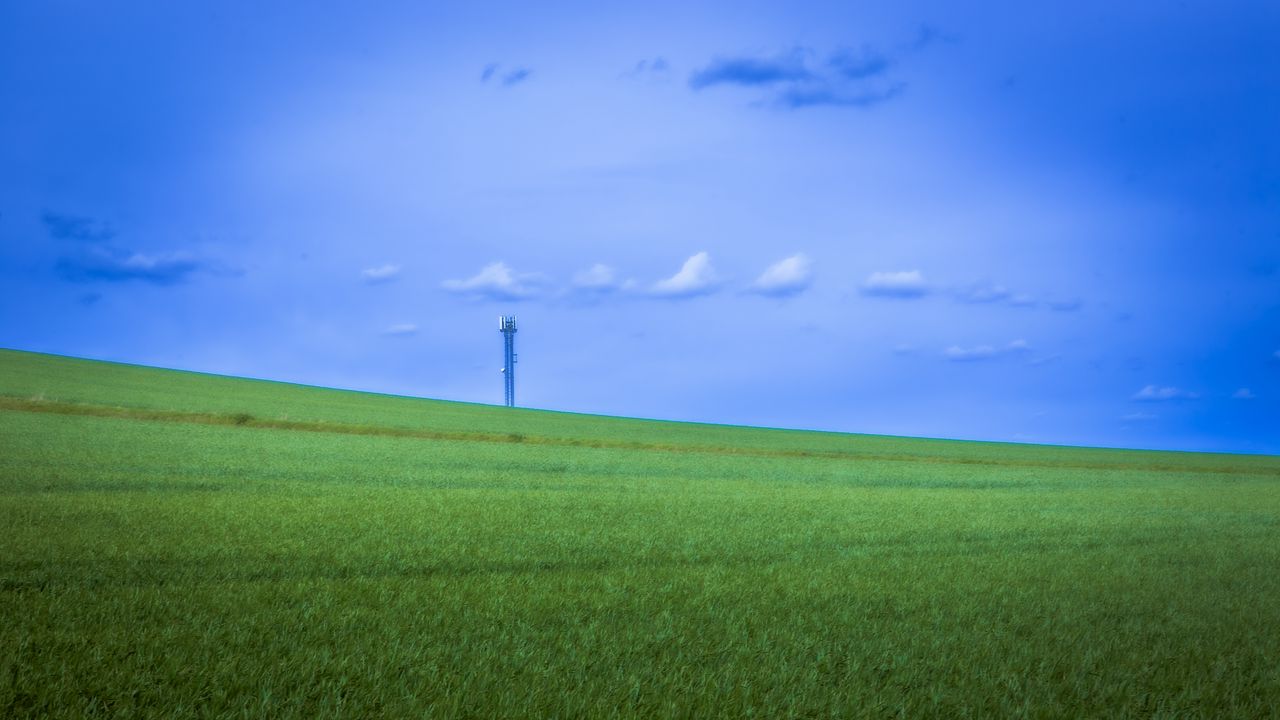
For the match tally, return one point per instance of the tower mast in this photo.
(507, 326)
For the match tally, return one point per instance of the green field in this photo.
(178, 545)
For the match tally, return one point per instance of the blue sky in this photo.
(1029, 222)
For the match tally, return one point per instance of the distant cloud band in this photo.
(112, 265)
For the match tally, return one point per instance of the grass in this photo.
(184, 545)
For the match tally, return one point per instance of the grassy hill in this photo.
(179, 544)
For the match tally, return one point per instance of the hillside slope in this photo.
(50, 383)
(190, 545)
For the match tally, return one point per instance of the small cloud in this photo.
(89, 298)
(696, 277)
(984, 352)
(516, 76)
(401, 330)
(1276, 355)
(507, 79)
(796, 98)
(904, 349)
(61, 226)
(380, 274)
(927, 35)
(977, 352)
(599, 278)
(497, 281)
(751, 71)
(860, 64)
(987, 293)
(1243, 394)
(655, 67)
(799, 78)
(902, 285)
(658, 64)
(996, 294)
(1139, 417)
(106, 264)
(1156, 393)
(785, 278)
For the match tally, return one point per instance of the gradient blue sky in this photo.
(1009, 221)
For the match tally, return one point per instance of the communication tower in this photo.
(507, 326)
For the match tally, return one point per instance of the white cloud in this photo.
(380, 274)
(987, 293)
(599, 278)
(787, 277)
(1155, 393)
(401, 329)
(993, 294)
(1243, 394)
(1139, 417)
(984, 352)
(904, 285)
(984, 294)
(977, 352)
(696, 277)
(496, 281)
